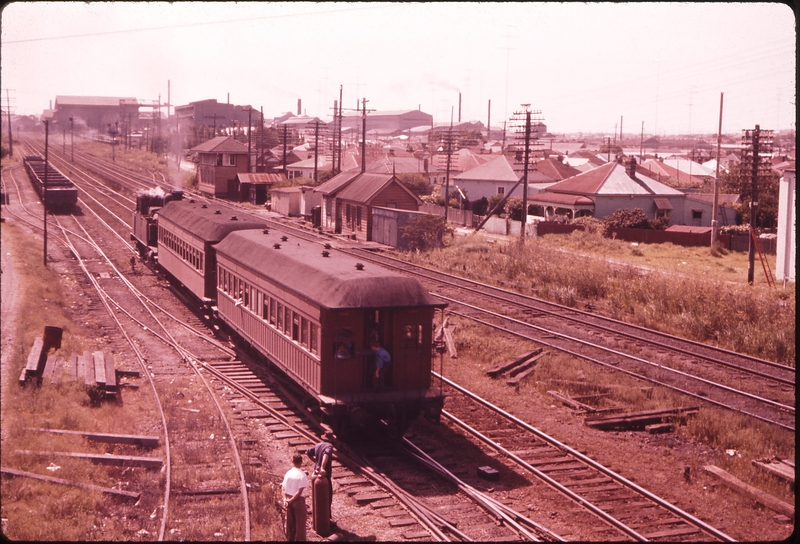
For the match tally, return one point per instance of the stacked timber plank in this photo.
(96, 370)
(640, 420)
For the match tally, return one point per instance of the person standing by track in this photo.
(322, 455)
(294, 482)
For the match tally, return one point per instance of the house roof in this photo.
(722, 199)
(309, 163)
(558, 198)
(366, 186)
(498, 169)
(95, 101)
(221, 144)
(612, 179)
(338, 182)
(555, 169)
(260, 178)
(686, 166)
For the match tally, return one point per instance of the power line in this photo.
(190, 25)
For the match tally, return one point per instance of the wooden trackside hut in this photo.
(253, 188)
(355, 202)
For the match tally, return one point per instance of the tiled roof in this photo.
(221, 144)
(555, 169)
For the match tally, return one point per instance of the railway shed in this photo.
(254, 188)
(354, 204)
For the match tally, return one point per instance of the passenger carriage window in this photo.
(343, 347)
(304, 331)
(295, 326)
(419, 334)
(314, 343)
(272, 311)
(265, 308)
(246, 295)
(288, 321)
(280, 317)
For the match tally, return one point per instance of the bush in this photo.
(625, 219)
(493, 200)
(589, 223)
(660, 223)
(426, 231)
(513, 208)
(480, 206)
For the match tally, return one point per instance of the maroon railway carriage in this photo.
(187, 233)
(314, 313)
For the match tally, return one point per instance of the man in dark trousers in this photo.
(322, 455)
(294, 482)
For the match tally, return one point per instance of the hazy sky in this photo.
(583, 65)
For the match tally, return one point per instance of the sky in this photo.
(658, 67)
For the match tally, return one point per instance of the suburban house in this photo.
(609, 188)
(498, 176)
(305, 168)
(328, 192)
(219, 160)
(666, 171)
(354, 203)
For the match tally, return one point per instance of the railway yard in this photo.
(559, 425)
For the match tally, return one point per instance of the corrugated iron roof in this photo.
(206, 223)
(663, 204)
(612, 179)
(555, 169)
(221, 144)
(558, 198)
(499, 169)
(338, 182)
(333, 281)
(366, 186)
(260, 178)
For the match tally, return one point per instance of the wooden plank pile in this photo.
(96, 370)
(777, 466)
(518, 368)
(754, 493)
(651, 420)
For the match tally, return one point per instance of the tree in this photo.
(738, 180)
(416, 183)
(493, 200)
(626, 219)
(426, 231)
(514, 208)
(480, 206)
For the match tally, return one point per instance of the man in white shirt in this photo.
(294, 482)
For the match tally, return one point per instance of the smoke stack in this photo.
(229, 98)
(459, 107)
(299, 103)
(489, 122)
(51, 105)
(632, 167)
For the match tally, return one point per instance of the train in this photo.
(56, 190)
(312, 311)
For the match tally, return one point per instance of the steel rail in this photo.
(141, 358)
(591, 462)
(619, 353)
(405, 265)
(628, 372)
(185, 355)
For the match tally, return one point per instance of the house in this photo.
(354, 203)
(667, 171)
(555, 169)
(219, 160)
(610, 187)
(699, 206)
(499, 176)
(328, 192)
(254, 188)
(305, 168)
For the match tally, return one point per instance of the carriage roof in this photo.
(333, 281)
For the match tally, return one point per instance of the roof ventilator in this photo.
(359, 266)
(284, 238)
(234, 218)
(276, 246)
(326, 254)
(204, 206)
(327, 246)
(266, 231)
(217, 212)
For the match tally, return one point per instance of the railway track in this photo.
(632, 511)
(758, 388)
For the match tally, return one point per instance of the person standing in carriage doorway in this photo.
(322, 455)
(383, 362)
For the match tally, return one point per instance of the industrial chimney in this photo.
(459, 107)
(299, 103)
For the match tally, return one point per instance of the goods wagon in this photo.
(57, 190)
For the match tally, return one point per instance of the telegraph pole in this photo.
(526, 161)
(715, 203)
(285, 136)
(364, 135)
(755, 143)
(449, 150)
(72, 137)
(44, 188)
(316, 150)
(249, 131)
(10, 138)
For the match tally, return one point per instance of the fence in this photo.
(454, 215)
